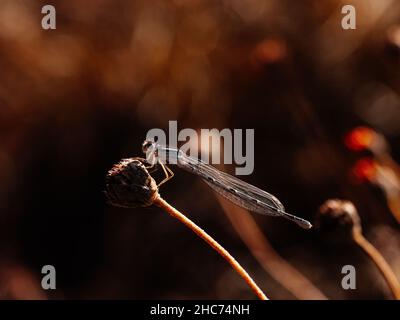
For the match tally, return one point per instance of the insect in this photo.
(235, 190)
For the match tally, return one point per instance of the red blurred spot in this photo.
(365, 169)
(359, 138)
(271, 50)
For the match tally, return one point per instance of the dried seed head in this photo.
(338, 218)
(129, 184)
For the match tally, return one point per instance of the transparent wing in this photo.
(237, 191)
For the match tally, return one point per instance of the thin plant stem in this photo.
(284, 273)
(394, 205)
(160, 202)
(392, 194)
(379, 261)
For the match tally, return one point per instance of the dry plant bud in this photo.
(129, 184)
(339, 218)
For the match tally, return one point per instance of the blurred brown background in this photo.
(75, 100)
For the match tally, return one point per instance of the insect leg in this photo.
(168, 173)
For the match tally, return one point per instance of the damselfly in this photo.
(235, 190)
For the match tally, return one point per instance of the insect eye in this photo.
(146, 145)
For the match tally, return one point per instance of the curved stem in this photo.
(283, 272)
(394, 205)
(380, 262)
(214, 244)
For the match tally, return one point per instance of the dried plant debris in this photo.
(129, 184)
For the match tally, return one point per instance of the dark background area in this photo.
(75, 100)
